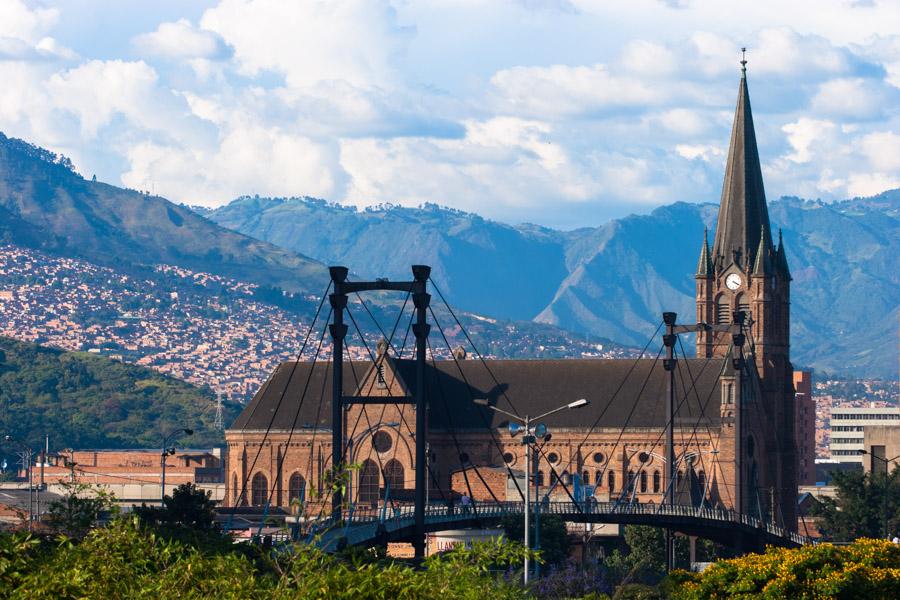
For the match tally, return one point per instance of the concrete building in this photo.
(848, 427)
(805, 423)
(882, 445)
(733, 430)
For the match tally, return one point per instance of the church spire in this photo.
(743, 215)
(763, 262)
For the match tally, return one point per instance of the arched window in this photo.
(585, 478)
(723, 310)
(656, 481)
(611, 481)
(540, 476)
(598, 478)
(234, 489)
(553, 478)
(394, 476)
(630, 481)
(368, 482)
(643, 481)
(701, 477)
(259, 490)
(296, 488)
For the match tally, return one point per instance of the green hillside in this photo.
(87, 401)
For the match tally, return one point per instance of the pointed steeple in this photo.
(781, 259)
(705, 267)
(763, 262)
(742, 210)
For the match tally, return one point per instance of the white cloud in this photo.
(309, 42)
(851, 98)
(870, 184)
(564, 91)
(882, 149)
(181, 40)
(802, 134)
(704, 152)
(17, 21)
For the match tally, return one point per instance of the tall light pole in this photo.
(26, 456)
(884, 496)
(528, 440)
(167, 450)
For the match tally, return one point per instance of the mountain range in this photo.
(615, 280)
(45, 204)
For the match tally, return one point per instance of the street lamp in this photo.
(167, 450)
(528, 440)
(884, 496)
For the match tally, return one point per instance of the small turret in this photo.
(781, 260)
(763, 263)
(705, 266)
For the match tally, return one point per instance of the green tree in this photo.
(862, 502)
(554, 537)
(188, 508)
(79, 509)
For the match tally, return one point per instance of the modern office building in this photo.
(848, 426)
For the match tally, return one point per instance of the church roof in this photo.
(523, 386)
(742, 210)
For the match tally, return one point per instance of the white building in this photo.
(848, 426)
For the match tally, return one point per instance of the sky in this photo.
(564, 113)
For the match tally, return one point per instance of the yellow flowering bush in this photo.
(867, 569)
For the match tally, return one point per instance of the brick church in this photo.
(733, 428)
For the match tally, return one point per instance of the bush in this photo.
(865, 569)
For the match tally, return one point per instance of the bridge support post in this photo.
(338, 331)
(421, 300)
(669, 339)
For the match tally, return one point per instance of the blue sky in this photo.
(559, 112)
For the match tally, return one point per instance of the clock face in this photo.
(733, 281)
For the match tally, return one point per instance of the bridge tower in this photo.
(745, 271)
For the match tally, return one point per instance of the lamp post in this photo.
(167, 450)
(884, 496)
(528, 440)
(26, 455)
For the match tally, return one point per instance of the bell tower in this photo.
(745, 271)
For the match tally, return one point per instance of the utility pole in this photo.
(338, 332)
(669, 339)
(421, 329)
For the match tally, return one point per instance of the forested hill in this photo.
(85, 400)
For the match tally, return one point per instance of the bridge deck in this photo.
(372, 526)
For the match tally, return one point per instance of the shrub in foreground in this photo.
(865, 569)
(125, 560)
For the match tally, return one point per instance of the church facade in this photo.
(733, 427)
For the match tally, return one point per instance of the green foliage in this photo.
(637, 591)
(79, 509)
(554, 537)
(859, 509)
(124, 561)
(865, 569)
(88, 401)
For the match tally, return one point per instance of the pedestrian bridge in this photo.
(369, 527)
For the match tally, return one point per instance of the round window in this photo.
(553, 457)
(508, 457)
(382, 441)
(598, 457)
(643, 457)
